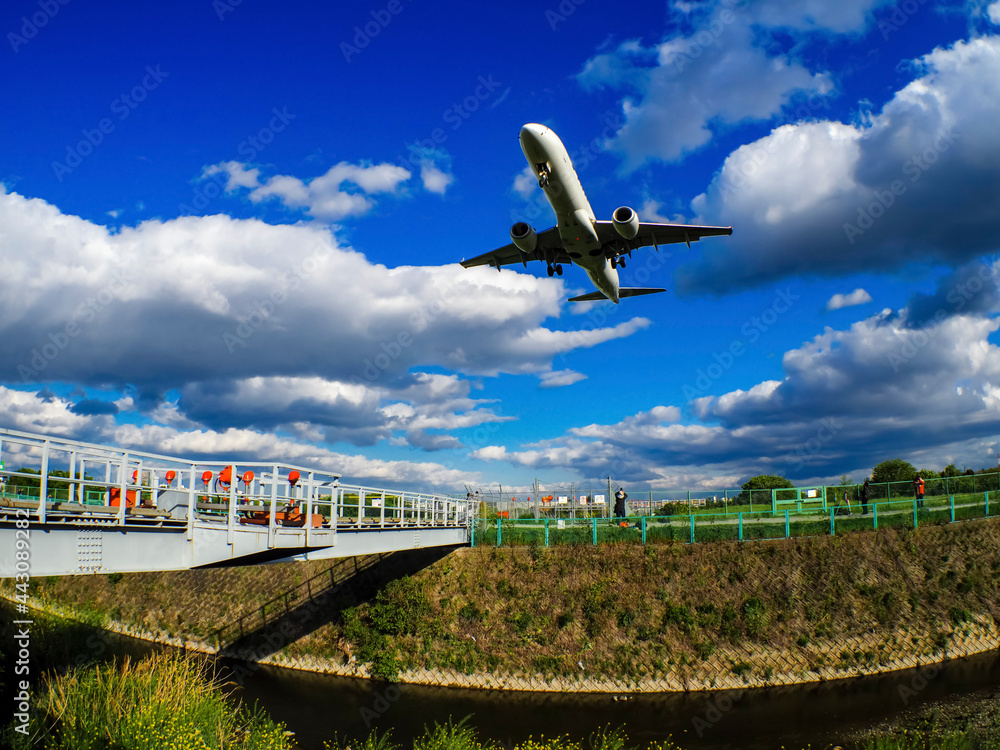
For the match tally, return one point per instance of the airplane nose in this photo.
(531, 139)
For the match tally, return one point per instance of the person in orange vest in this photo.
(918, 490)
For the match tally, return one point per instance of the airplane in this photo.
(598, 247)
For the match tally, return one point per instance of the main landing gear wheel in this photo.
(614, 262)
(550, 270)
(558, 270)
(621, 262)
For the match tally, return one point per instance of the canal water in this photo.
(317, 707)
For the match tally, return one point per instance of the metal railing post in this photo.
(192, 501)
(499, 530)
(123, 489)
(740, 517)
(951, 502)
(81, 492)
(787, 525)
(231, 531)
(272, 519)
(875, 516)
(593, 523)
(309, 506)
(833, 529)
(546, 532)
(692, 530)
(914, 513)
(644, 530)
(43, 485)
(72, 476)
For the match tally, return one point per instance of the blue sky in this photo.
(232, 230)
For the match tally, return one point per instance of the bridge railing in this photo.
(119, 486)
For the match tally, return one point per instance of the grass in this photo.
(163, 701)
(930, 740)
(461, 736)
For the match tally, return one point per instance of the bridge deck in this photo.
(179, 513)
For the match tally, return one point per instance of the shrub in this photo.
(755, 617)
(161, 701)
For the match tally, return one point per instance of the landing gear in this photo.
(550, 270)
(558, 270)
(614, 262)
(621, 261)
(543, 174)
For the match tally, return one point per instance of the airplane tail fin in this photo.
(622, 293)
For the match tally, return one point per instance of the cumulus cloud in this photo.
(215, 323)
(857, 297)
(719, 71)
(343, 191)
(28, 412)
(993, 11)
(921, 181)
(847, 400)
(969, 290)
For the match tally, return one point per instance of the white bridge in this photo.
(68, 517)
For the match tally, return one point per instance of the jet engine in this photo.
(626, 222)
(524, 237)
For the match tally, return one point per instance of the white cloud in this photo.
(30, 412)
(525, 182)
(323, 197)
(237, 175)
(920, 182)
(235, 319)
(857, 297)
(718, 73)
(490, 453)
(650, 211)
(435, 180)
(560, 378)
(848, 399)
(993, 11)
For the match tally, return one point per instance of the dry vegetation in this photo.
(617, 611)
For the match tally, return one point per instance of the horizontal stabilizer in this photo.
(637, 291)
(592, 297)
(622, 293)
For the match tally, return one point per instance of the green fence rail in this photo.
(737, 525)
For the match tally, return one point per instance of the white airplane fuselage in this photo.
(574, 217)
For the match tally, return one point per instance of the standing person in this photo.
(864, 498)
(918, 491)
(620, 503)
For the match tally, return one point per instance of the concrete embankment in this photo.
(615, 618)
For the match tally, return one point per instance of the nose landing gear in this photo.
(543, 174)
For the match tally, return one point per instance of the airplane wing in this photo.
(549, 248)
(656, 234)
